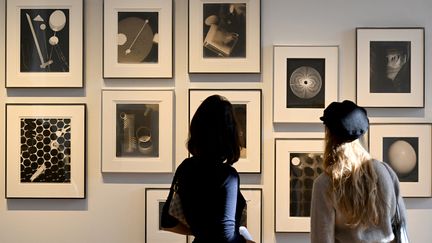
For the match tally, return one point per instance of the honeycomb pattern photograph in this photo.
(45, 150)
(304, 168)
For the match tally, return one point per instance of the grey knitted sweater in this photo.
(328, 223)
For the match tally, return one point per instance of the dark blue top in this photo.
(211, 199)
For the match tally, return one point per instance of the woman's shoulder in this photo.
(322, 181)
(384, 170)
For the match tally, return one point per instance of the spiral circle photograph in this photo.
(305, 82)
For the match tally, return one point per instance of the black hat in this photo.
(346, 120)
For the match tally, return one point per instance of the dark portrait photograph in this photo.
(224, 30)
(137, 130)
(45, 150)
(44, 40)
(305, 83)
(401, 153)
(137, 37)
(304, 168)
(390, 67)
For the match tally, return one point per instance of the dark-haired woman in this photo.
(355, 199)
(207, 183)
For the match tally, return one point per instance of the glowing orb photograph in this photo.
(401, 153)
(406, 148)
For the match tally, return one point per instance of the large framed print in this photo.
(390, 67)
(407, 149)
(44, 43)
(45, 150)
(224, 36)
(298, 163)
(138, 39)
(305, 81)
(247, 108)
(253, 197)
(155, 199)
(137, 131)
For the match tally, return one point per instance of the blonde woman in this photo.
(354, 200)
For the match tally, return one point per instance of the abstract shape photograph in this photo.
(44, 40)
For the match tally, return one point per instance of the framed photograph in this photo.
(305, 81)
(253, 223)
(137, 131)
(390, 67)
(45, 150)
(247, 108)
(138, 39)
(44, 43)
(407, 149)
(224, 36)
(298, 163)
(154, 201)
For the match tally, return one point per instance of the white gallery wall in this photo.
(113, 211)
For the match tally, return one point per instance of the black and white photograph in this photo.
(304, 168)
(44, 44)
(137, 38)
(224, 36)
(50, 145)
(298, 162)
(224, 30)
(240, 111)
(305, 80)
(390, 67)
(137, 130)
(406, 148)
(46, 150)
(44, 40)
(247, 109)
(401, 153)
(305, 83)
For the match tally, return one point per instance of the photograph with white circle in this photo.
(305, 83)
(406, 148)
(304, 169)
(44, 40)
(137, 38)
(401, 154)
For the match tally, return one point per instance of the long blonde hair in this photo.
(354, 181)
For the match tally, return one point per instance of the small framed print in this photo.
(137, 131)
(45, 150)
(407, 149)
(305, 81)
(154, 201)
(44, 43)
(390, 67)
(138, 41)
(247, 108)
(224, 36)
(298, 163)
(253, 197)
